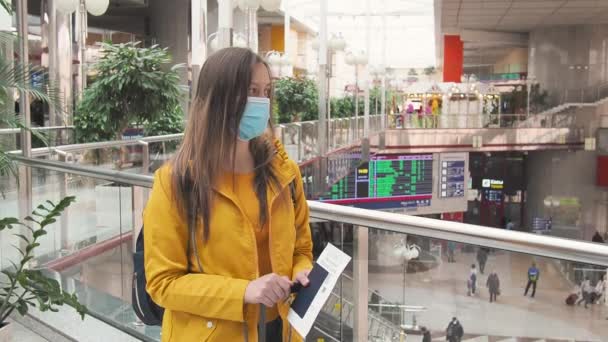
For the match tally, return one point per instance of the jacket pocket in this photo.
(187, 327)
(209, 328)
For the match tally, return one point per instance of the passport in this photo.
(306, 295)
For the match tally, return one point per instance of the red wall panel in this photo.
(453, 58)
(602, 171)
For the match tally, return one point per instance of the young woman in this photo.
(227, 231)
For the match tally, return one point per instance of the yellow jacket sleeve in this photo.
(302, 254)
(168, 281)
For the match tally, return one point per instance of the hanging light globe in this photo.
(238, 4)
(350, 58)
(361, 58)
(239, 40)
(97, 7)
(285, 60)
(273, 58)
(213, 44)
(337, 43)
(67, 6)
(271, 5)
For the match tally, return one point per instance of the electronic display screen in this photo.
(386, 178)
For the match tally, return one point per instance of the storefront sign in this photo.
(493, 184)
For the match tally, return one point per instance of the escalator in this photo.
(328, 327)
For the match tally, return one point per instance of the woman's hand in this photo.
(302, 278)
(268, 290)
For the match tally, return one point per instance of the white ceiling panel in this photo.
(521, 15)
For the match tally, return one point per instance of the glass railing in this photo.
(407, 272)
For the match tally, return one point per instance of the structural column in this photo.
(383, 105)
(7, 52)
(321, 181)
(366, 70)
(60, 61)
(198, 40)
(25, 173)
(225, 23)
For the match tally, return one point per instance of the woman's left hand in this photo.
(302, 278)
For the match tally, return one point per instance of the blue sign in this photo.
(452, 178)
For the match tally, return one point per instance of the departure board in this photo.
(387, 178)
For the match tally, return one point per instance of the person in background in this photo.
(586, 290)
(510, 225)
(375, 299)
(597, 238)
(454, 331)
(533, 275)
(482, 258)
(472, 282)
(600, 289)
(493, 285)
(426, 334)
(451, 251)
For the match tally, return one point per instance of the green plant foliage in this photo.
(297, 99)
(133, 86)
(24, 287)
(6, 4)
(344, 107)
(171, 122)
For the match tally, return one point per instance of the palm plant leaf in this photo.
(20, 77)
(6, 4)
(7, 38)
(11, 120)
(7, 165)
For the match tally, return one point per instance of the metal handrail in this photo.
(88, 171)
(540, 245)
(42, 151)
(513, 241)
(6, 131)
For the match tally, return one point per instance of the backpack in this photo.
(450, 331)
(148, 312)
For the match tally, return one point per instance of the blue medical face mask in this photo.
(255, 118)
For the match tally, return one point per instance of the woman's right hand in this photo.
(268, 290)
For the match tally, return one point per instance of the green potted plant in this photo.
(133, 86)
(22, 287)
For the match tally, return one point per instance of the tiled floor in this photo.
(443, 291)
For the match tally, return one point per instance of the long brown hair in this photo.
(211, 135)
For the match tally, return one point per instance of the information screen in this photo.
(386, 178)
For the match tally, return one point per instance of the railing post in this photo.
(300, 137)
(145, 156)
(63, 189)
(361, 288)
(582, 95)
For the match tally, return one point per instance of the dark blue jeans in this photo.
(274, 331)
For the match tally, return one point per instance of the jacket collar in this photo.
(283, 169)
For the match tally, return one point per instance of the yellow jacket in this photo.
(209, 306)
